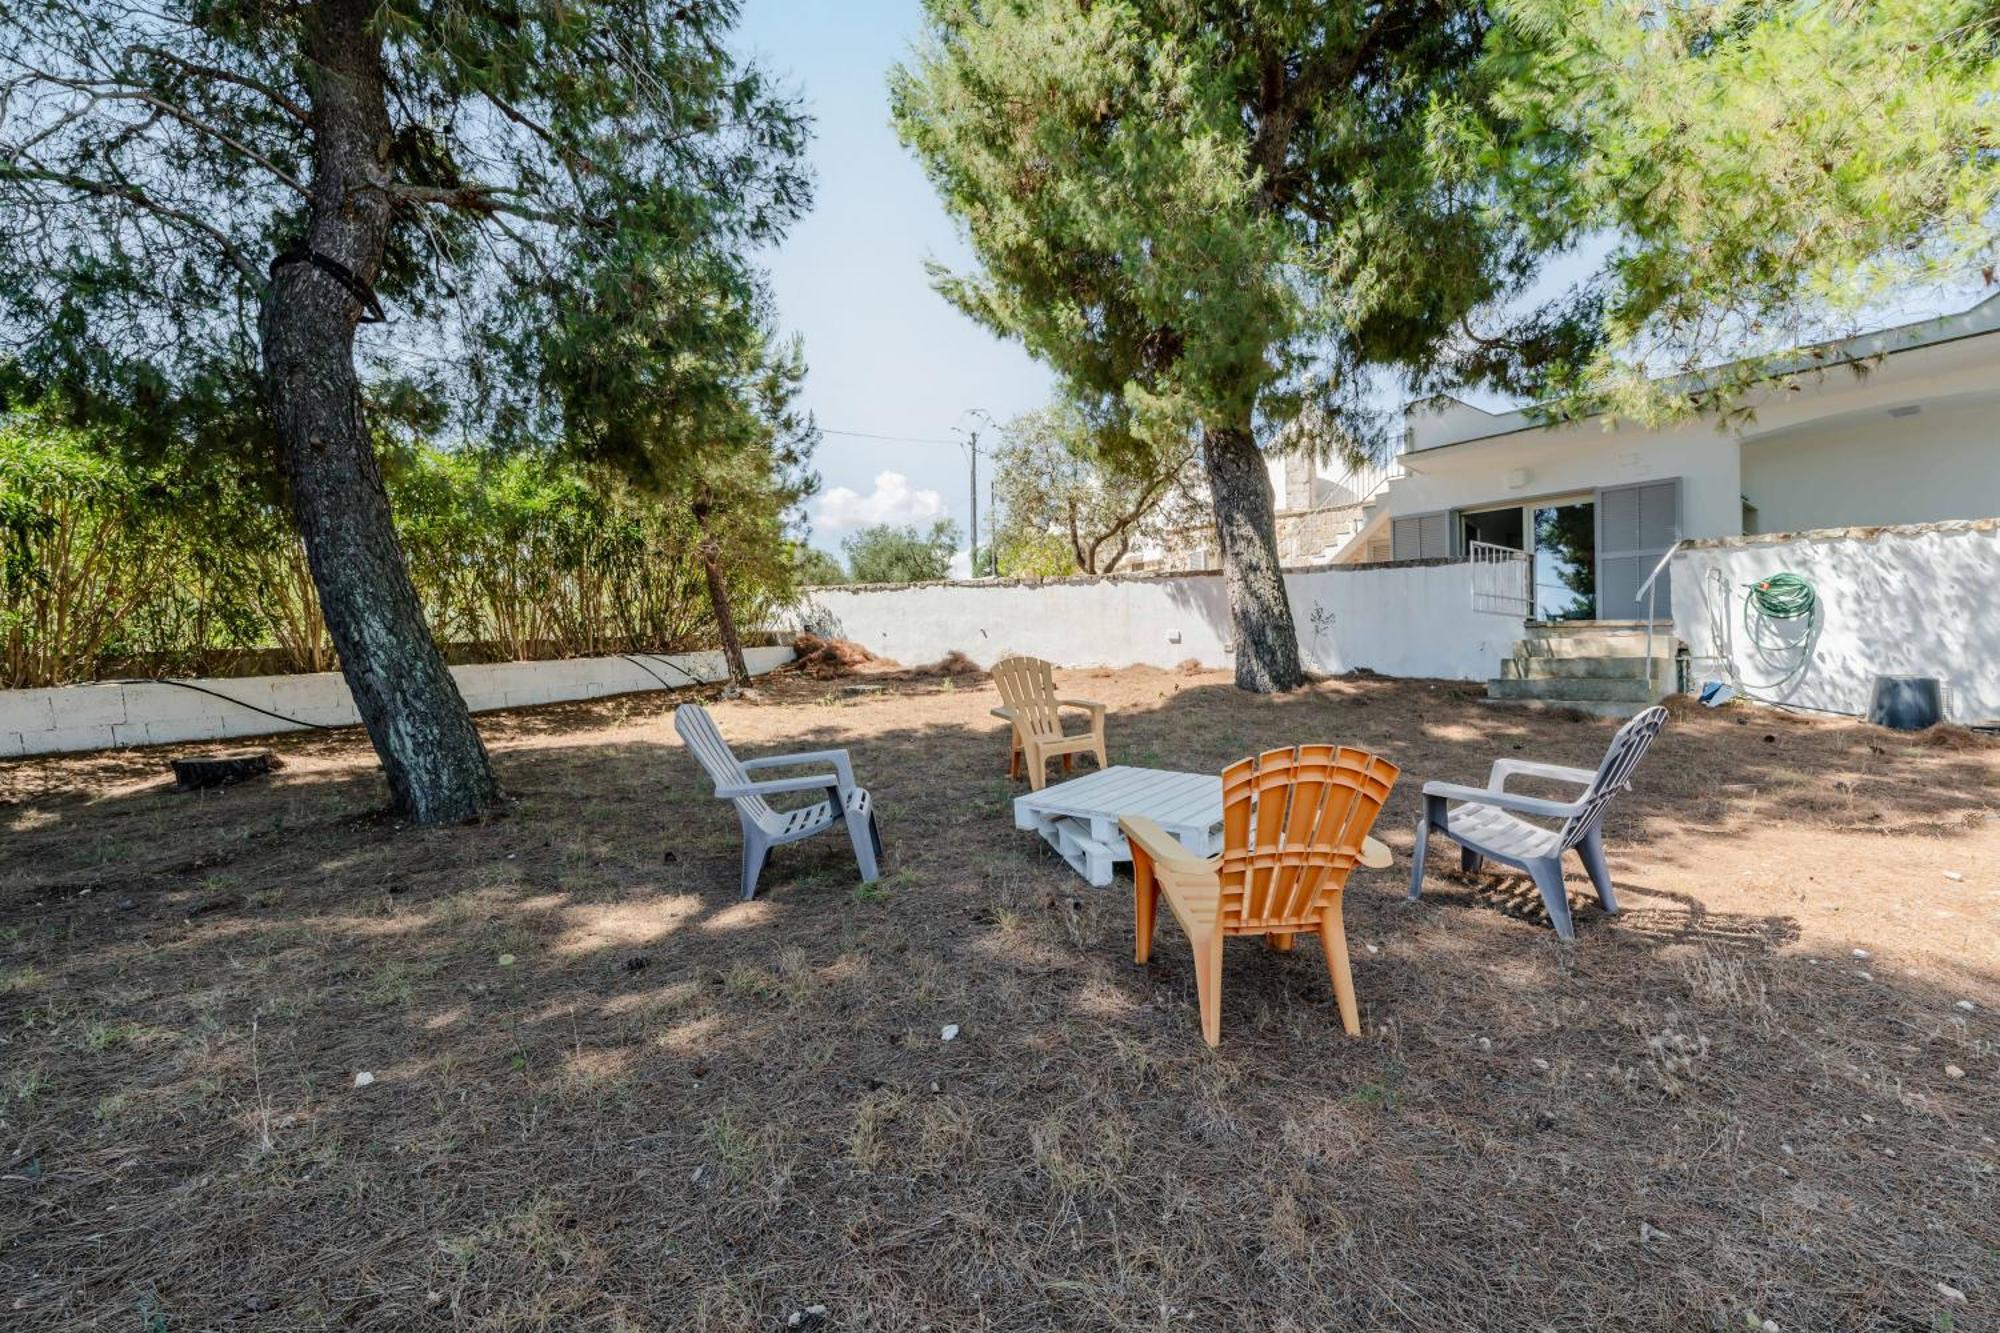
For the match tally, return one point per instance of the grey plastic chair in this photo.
(1485, 822)
(764, 827)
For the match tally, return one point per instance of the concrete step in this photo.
(1556, 629)
(1617, 711)
(1586, 668)
(1573, 690)
(1599, 644)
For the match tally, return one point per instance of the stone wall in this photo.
(112, 714)
(1413, 619)
(1916, 600)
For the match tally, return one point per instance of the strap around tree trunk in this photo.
(371, 309)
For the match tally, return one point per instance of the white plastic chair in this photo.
(1485, 821)
(764, 827)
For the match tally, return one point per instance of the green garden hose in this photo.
(1782, 597)
(1772, 610)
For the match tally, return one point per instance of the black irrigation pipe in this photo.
(336, 726)
(692, 679)
(217, 694)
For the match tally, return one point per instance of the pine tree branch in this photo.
(139, 199)
(481, 198)
(122, 90)
(279, 99)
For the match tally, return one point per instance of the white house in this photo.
(1567, 528)
(1896, 427)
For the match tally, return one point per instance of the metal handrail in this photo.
(1646, 588)
(1373, 478)
(1646, 594)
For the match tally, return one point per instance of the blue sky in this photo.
(886, 354)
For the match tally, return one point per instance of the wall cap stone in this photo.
(1139, 576)
(1856, 534)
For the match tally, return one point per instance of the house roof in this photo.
(1445, 421)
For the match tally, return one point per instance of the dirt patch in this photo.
(827, 659)
(951, 664)
(605, 1094)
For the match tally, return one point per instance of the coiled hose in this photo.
(1772, 611)
(1782, 597)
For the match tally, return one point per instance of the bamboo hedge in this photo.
(111, 568)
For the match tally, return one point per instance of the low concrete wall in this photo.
(1922, 600)
(103, 716)
(1400, 620)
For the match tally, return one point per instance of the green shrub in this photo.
(109, 567)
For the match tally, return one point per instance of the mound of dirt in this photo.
(953, 663)
(825, 659)
(1951, 736)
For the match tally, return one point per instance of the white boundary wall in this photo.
(1907, 601)
(1403, 620)
(103, 716)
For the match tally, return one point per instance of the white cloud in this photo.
(961, 565)
(892, 501)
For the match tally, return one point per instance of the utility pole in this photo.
(972, 457)
(971, 446)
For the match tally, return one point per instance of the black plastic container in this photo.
(1907, 703)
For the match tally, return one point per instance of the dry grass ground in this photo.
(608, 1096)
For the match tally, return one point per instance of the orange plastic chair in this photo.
(1294, 825)
(1028, 701)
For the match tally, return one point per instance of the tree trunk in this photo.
(718, 596)
(1267, 644)
(436, 765)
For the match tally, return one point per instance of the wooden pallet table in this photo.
(1079, 818)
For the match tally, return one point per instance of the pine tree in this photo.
(1210, 215)
(293, 228)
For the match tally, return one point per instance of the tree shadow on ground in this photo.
(606, 1092)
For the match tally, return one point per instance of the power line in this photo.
(893, 439)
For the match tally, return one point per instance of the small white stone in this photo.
(1950, 1293)
(1955, 876)
(950, 1032)
(1486, 1043)
(1865, 976)
(1967, 1005)
(1786, 1149)
(1953, 1071)
(1769, 1326)
(1541, 1064)
(506, 960)
(1372, 949)
(1861, 953)
(363, 1079)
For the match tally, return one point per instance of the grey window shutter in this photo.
(1635, 526)
(1436, 536)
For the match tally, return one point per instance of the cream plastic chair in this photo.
(1028, 701)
